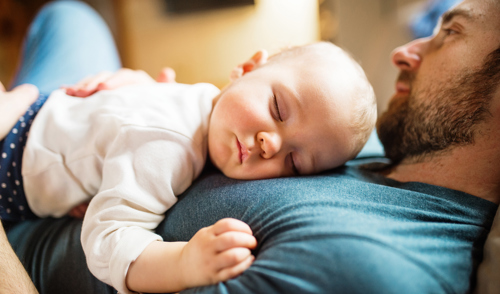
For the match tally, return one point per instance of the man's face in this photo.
(444, 88)
(282, 119)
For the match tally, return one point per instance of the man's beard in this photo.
(433, 120)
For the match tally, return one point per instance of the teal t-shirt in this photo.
(346, 231)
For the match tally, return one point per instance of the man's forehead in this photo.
(476, 9)
(473, 11)
(459, 11)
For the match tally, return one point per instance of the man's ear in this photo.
(255, 61)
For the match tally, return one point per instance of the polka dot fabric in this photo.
(13, 205)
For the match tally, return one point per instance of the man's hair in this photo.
(364, 111)
(491, 68)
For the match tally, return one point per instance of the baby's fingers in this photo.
(167, 75)
(88, 85)
(92, 86)
(230, 224)
(71, 90)
(231, 258)
(230, 240)
(125, 77)
(235, 270)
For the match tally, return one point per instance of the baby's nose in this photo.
(270, 144)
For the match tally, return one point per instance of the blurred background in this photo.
(204, 39)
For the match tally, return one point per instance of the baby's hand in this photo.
(79, 210)
(217, 253)
(110, 81)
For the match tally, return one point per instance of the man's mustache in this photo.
(406, 77)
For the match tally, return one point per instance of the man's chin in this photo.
(391, 126)
(397, 100)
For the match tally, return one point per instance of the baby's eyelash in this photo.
(277, 108)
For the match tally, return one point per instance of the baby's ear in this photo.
(255, 61)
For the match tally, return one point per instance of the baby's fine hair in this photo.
(364, 112)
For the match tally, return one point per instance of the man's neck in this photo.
(473, 169)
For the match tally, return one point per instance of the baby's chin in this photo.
(248, 176)
(234, 175)
(231, 172)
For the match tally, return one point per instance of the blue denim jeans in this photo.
(66, 42)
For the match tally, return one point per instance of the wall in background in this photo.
(15, 17)
(370, 30)
(205, 46)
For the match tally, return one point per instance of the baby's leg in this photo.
(66, 42)
(13, 105)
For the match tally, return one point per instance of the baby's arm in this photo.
(110, 81)
(139, 181)
(216, 253)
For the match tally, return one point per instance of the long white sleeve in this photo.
(140, 181)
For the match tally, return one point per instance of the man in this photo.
(441, 127)
(13, 277)
(419, 228)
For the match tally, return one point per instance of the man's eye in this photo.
(277, 108)
(449, 32)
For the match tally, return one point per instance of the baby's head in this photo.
(302, 111)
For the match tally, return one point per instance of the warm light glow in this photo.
(205, 46)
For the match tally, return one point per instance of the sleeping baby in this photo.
(134, 149)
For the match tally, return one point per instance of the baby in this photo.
(134, 149)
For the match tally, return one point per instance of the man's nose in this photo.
(270, 144)
(409, 56)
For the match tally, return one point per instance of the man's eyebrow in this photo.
(449, 15)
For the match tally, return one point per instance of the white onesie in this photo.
(131, 151)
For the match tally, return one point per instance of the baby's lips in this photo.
(244, 152)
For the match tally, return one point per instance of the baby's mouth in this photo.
(242, 151)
